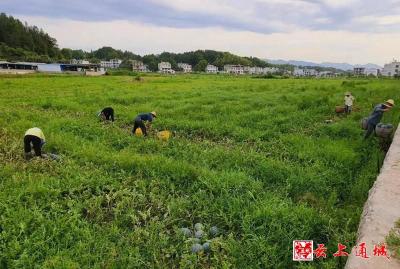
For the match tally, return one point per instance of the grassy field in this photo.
(253, 157)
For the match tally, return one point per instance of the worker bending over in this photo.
(34, 137)
(143, 121)
(107, 114)
(377, 115)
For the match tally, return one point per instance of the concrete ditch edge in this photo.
(381, 211)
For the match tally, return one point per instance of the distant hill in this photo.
(19, 41)
(341, 66)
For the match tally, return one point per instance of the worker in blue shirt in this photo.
(140, 121)
(377, 115)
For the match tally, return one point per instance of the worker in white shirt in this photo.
(34, 138)
(348, 102)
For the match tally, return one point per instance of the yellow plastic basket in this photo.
(138, 132)
(164, 135)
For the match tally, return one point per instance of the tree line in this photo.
(21, 42)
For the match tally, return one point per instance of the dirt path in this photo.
(381, 211)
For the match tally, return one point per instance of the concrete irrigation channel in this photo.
(380, 213)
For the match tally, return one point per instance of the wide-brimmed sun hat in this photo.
(153, 113)
(390, 102)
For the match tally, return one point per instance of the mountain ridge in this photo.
(341, 66)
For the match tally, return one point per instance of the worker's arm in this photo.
(380, 109)
(148, 124)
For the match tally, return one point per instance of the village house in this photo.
(310, 72)
(362, 71)
(113, 63)
(270, 70)
(75, 61)
(29, 67)
(211, 69)
(234, 69)
(165, 67)
(305, 72)
(392, 69)
(372, 72)
(359, 71)
(138, 66)
(255, 70)
(17, 68)
(326, 74)
(187, 68)
(246, 69)
(298, 72)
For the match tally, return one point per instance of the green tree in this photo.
(66, 53)
(152, 62)
(201, 66)
(78, 54)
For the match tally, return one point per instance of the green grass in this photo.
(251, 156)
(393, 240)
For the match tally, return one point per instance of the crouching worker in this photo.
(377, 115)
(107, 114)
(143, 121)
(34, 137)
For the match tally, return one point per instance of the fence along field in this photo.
(253, 157)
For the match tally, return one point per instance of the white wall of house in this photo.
(391, 69)
(75, 61)
(234, 69)
(187, 68)
(298, 72)
(372, 72)
(256, 70)
(310, 72)
(253, 70)
(362, 71)
(305, 72)
(49, 68)
(211, 69)
(113, 63)
(165, 67)
(138, 66)
(270, 70)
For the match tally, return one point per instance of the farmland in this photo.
(253, 157)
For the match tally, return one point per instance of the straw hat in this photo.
(153, 113)
(390, 102)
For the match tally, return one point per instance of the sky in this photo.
(352, 31)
